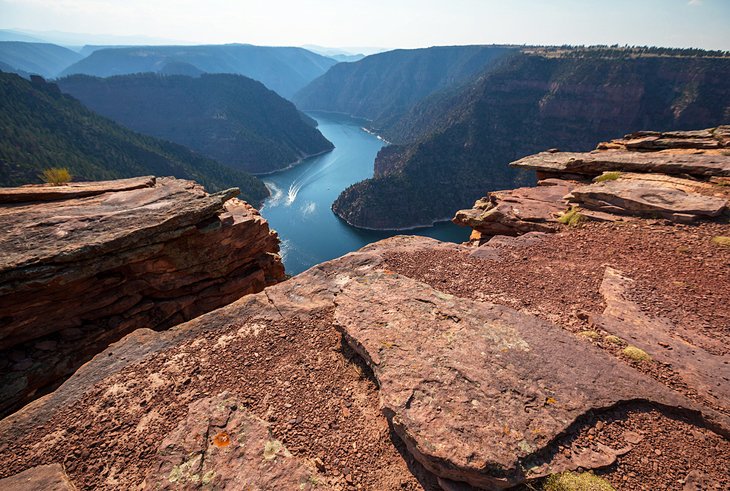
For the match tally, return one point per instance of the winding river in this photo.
(299, 206)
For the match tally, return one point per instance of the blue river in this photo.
(299, 208)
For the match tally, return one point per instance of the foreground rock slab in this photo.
(77, 274)
(222, 445)
(476, 390)
(688, 352)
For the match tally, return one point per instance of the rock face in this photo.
(690, 353)
(222, 445)
(46, 477)
(105, 259)
(664, 153)
(670, 175)
(478, 392)
(642, 199)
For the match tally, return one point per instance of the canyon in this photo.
(449, 146)
(582, 328)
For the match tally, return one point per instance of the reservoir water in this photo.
(301, 197)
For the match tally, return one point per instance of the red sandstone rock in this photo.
(479, 392)
(44, 477)
(221, 445)
(105, 265)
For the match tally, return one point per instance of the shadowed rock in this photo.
(80, 273)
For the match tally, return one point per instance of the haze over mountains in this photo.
(284, 70)
(47, 60)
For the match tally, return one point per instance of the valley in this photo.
(301, 198)
(491, 257)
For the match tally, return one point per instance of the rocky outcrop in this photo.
(107, 258)
(479, 392)
(223, 443)
(695, 153)
(673, 175)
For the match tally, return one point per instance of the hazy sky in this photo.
(386, 23)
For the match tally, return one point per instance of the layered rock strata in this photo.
(479, 392)
(679, 176)
(102, 259)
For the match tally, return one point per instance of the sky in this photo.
(384, 23)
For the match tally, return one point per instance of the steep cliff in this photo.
(84, 264)
(530, 102)
(229, 118)
(381, 87)
(42, 128)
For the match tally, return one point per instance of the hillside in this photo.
(41, 128)
(44, 59)
(385, 85)
(529, 102)
(284, 70)
(230, 118)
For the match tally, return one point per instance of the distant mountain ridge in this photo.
(282, 69)
(383, 86)
(458, 143)
(230, 118)
(47, 60)
(40, 128)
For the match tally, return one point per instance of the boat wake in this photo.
(304, 180)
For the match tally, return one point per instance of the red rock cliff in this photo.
(84, 264)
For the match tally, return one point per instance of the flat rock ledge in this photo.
(479, 393)
(105, 258)
(678, 176)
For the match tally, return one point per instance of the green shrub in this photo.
(721, 241)
(574, 481)
(56, 176)
(614, 339)
(608, 176)
(592, 335)
(572, 217)
(635, 353)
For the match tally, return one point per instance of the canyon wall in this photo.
(457, 143)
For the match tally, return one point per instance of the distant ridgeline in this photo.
(453, 142)
(230, 118)
(47, 60)
(40, 128)
(282, 69)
